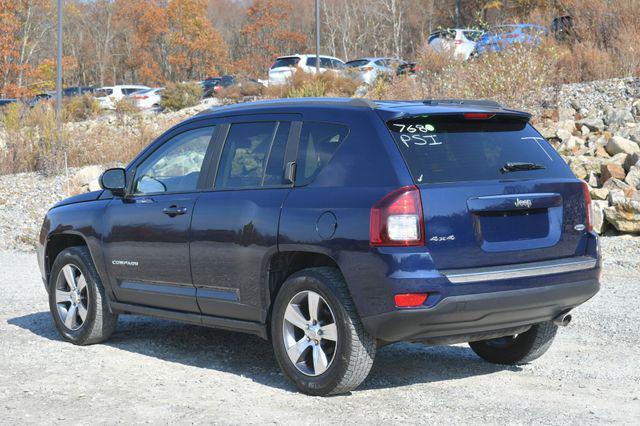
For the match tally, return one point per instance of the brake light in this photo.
(140, 97)
(410, 300)
(477, 115)
(397, 220)
(457, 42)
(588, 205)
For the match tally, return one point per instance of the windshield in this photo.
(450, 148)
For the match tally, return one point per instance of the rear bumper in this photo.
(479, 313)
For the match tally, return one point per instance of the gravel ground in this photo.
(164, 372)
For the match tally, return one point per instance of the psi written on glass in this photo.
(416, 134)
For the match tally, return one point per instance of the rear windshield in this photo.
(453, 149)
(285, 62)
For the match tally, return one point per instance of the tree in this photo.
(196, 48)
(10, 66)
(265, 36)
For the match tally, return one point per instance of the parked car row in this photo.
(464, 43)
(363, 69)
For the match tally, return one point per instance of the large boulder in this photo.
(633, 177)
(619, 116)
(625, 217)
(611, 170)
(594, 124)
(563, 134)
(631, 160)
(597, 220)
(599, 193)
(618, 144)
(86, 179)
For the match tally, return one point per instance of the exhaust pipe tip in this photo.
(562, 320)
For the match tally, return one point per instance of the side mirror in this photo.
(114, 180)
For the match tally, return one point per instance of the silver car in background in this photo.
(368, 69)
(147, 99)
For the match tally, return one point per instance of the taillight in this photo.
(366, 69)
(410, 300)
(588, 205)
(458, 42)
(397, 220)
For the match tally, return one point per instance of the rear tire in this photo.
(328, 359)
(520, 349)
(77, 299)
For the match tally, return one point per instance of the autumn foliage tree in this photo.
(9, 48)
(264, 36)
(196, 48)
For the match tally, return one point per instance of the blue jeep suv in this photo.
(332, 227)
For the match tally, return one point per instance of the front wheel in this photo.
(519, 349)
(318, 339)
(77, 299)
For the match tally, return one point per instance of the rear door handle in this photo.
(173, 211)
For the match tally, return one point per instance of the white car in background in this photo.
(285, 66)
(147, 99)
(460, 42)
(368, 69)
(108, 96)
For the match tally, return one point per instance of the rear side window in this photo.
(318, 143)
(285, 62)
(336, 64)
(357, 63)
(473, 35)
(453, 149)
(253, 155)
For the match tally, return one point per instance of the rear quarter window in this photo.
(318, 143)
(441, 149)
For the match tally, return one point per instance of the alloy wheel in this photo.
(72, 297)
(309, 332)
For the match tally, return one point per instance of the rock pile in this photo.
(602, 146)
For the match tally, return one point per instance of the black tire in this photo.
(354, 349)
(100, 322)
(521, 349)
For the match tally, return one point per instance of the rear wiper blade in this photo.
(514, 167)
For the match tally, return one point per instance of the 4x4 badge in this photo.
(437, 238)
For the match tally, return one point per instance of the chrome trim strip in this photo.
(520, 270)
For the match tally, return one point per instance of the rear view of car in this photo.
(368, 69)
(459, 42)
(284, 67)
(147, 99)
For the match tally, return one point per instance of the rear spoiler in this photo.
(473, 106)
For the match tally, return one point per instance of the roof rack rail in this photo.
(477, 102)
(353, 102)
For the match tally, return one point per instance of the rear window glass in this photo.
(357, 63)
(473, 35)
(285, 62)
(452, 149)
